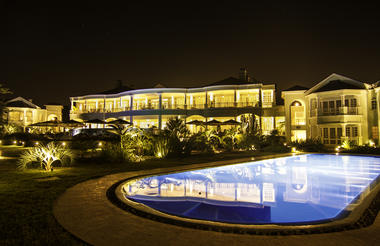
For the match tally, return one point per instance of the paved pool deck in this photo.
(85, 211)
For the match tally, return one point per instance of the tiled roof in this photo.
(296, 88)
(233, 81)
(116, 90)
(18, 104)
(339, 85)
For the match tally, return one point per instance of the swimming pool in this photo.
(301, 189)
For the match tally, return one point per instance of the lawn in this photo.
(27, 197)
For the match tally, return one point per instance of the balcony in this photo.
(336, 111)
(172, 107)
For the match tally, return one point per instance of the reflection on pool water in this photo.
(297, 189)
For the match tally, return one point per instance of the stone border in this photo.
(362, 215)
(85, 211)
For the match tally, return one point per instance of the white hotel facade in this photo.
(335, 109)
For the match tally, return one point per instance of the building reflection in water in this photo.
(291, 189)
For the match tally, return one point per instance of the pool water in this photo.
(297, 189)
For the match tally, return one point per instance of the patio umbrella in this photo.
(71, 123)
(119, 122)
(195, 122)
(213, 123)
(231, 122)
(95, 121)
(50, 123)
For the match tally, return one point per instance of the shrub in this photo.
(161, 146)
(112, 152)
(348, 144)
(280, 148)
(137, 143)
(7, 129)
(310, 145)
(46, 156)
(363, 149)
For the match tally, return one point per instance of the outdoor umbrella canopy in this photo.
(231, 122)
(213, 123)
(71, 123)
(119, 122)
(195, 122)
(50, 123)
(95, 121)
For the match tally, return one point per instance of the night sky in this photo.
(50, 52)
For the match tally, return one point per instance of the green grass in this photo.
(26, 199)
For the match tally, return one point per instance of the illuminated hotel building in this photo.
(223, 100)
(336, 109)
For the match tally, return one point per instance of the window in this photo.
(332, 135)
(325, 133)
(373, 104)
(353, 102)
(267, 98)
(339, 135)
(325, 106)
(348, 131)
(375, 132)
(313, 107)
(354, 131)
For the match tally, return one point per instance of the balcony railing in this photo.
(174, 106)
(337, 111)
(221, 104)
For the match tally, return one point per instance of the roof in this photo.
(120, 88)
(20, 102)
(339, 85)
(233, 81)
(297, 88)
(336, 82)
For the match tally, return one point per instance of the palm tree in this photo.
(46, 155)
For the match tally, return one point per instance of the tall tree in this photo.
(3, 91)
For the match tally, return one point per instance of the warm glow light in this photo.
(100, 144)
(211, 97)
(371, 143)
(294, 150)
(14, 142)
(36, 143)
(63, 144)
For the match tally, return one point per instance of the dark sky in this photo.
(50, 52)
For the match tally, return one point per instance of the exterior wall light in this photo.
(371, 143)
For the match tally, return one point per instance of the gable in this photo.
(339, 85)
(20, 102)
(336, 82)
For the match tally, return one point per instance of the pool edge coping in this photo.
(351, 221)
